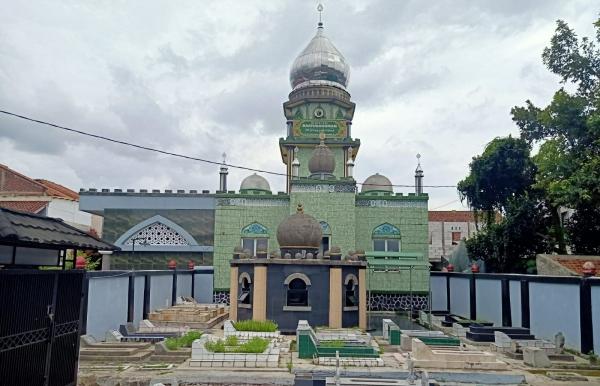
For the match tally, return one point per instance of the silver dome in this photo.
(255, 182)
(320, 63)
(377, 182)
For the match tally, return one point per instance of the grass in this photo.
(183, 341)
(256, 325)
(232, 345)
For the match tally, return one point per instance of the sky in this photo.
(206, 77)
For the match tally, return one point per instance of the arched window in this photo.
(326, 240)
(255, 237)
(351, 292)
(245, 296)
(297, 291)
(386, 238)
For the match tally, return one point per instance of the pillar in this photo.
(335, 297)
(362, 298)
(233, 293)
(259, 298)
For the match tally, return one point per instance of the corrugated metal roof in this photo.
(20, 227)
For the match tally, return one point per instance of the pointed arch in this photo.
(255, 230)
(386, 230)
(325, 228)
(159, 234)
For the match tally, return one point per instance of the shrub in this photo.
(256, 325)
(183, 341)
(231, 345)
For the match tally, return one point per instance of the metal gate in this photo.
(40, 314)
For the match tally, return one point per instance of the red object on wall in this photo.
(450, 268)
(80, 262)
(589, 269)
(191, 264)
(172, 264)
(474, 268)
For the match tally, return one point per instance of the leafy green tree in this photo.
(511, 244)
(504, 171)
(568, 130)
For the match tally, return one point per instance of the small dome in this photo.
(322, 160)
(255, 182)
(377, 182)
(299, 230)
(320, 63)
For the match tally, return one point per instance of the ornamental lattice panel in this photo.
(157, 234)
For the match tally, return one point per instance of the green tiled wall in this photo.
(337, 209)
(229, 222)
(413, 225)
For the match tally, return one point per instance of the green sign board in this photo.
(314, 128)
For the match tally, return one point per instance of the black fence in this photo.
(39, 326)
(545, 304)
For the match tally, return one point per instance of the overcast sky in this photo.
(202, 78)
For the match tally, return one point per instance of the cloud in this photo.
(201, 79)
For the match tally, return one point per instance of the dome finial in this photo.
(322, 138)
(320, 10)
(300, 208)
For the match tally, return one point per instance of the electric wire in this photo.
(165, 152)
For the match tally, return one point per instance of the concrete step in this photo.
(108, 351)
(158, 358)
(117, 345)
(136, 357)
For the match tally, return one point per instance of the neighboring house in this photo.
(564, 265)
(446, 229)
(43, 197)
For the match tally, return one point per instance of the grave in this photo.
(480, 333)
(229, 330)
(353, 347)
(147, 327)
(424, 356)
(202, 357)
(113, 352)
(450, 319)
(128, 333)
(192, 315)
(513, 348)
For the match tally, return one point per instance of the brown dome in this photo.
(299, 230)
(322, 160)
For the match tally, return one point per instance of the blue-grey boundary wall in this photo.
(545, 304)
(112, 298)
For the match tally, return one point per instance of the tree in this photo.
(568, 130)
(511, 245)
(504, 170)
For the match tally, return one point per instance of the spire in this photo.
(419, 176)
(223, 171)
(320, 10)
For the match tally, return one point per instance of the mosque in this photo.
(318, 247)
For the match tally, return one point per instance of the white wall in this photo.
(442, 246)
(70, 213)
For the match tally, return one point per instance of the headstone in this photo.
(559, 342)
(113, 336)
(535, 357)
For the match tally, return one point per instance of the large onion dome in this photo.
(320, 63)
(322, 161)
(255, 182)
(377, 183)
(299, 230)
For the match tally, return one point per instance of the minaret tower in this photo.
(419, 176)
(223, 172)
(319, 104)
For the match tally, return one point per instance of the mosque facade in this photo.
(366, 222)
